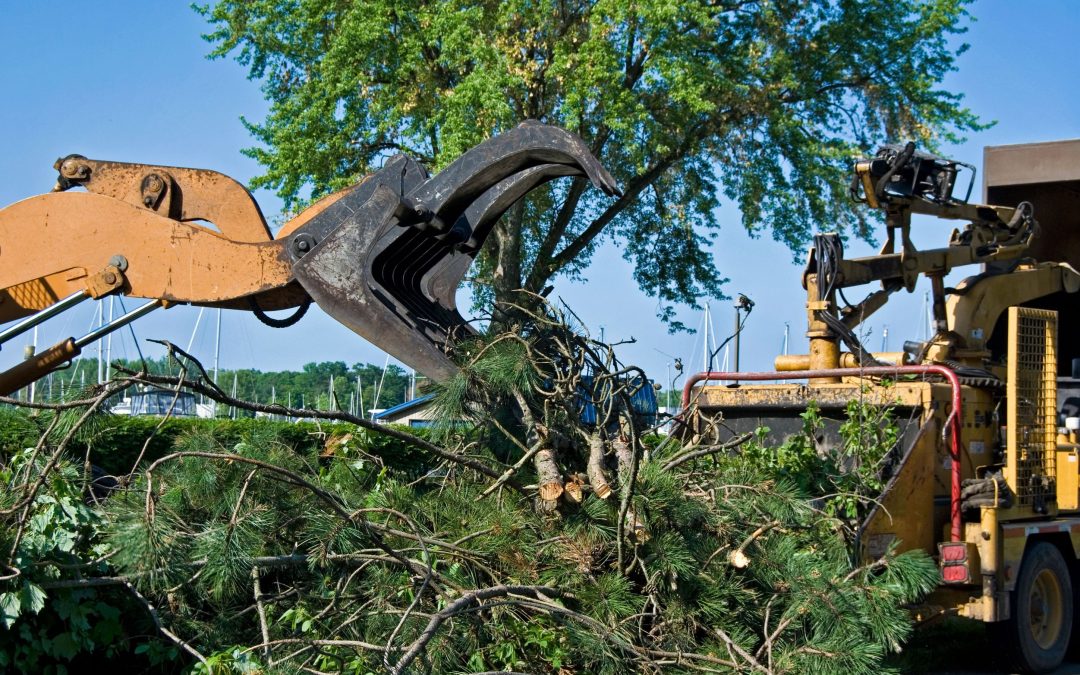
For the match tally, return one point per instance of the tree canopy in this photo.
(761, 102)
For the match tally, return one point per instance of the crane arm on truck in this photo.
(985, 474)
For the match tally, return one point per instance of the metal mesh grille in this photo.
(1032, 405)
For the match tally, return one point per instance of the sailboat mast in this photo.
(108, 340)
(100, 353)
(707, 356)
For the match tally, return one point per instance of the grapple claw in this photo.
(387, 259)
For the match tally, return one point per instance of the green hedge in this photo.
(18, 430)
(116, 440)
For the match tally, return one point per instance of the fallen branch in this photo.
(679, 460)
(458, 606)
(336, 415)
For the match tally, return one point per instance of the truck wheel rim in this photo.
(1045, 609)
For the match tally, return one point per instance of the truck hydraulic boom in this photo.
(985, 472)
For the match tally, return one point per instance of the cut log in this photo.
(573, 489)
(549, 477)
(595, 468)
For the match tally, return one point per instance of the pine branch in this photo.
(278, 409)
(458, 606)
(679, 460)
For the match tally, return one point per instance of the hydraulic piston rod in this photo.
(44, 315)
(119, 322)
(53, 358)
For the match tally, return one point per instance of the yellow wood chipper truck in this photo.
(985, 475)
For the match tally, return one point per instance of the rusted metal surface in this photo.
(108, 280)
(953, 422)
(56, 239)
(37, 366)
(187, 195)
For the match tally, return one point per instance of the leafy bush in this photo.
(336, 549)
(49, 622)
(114, 442)
(846, 475)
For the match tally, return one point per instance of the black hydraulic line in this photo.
(278, 323)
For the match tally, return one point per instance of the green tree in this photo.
(764, 102)
(310, 386)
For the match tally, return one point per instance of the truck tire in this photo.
(1038, 631)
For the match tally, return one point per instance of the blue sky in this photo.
(130, 82)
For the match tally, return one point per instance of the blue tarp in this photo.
(643, 400)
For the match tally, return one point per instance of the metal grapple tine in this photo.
(442, 265)
(441, 282)
(442, 199)
(388, 267)
(482, 214)
(338, 275)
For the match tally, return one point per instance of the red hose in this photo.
(952, 422)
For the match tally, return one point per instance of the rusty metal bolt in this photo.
(153, 183)
(72, 168)
(110, 277)
(302, 243)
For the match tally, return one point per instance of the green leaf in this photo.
(65, 646)
(10, 608)
(33, 597)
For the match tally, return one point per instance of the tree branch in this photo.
(636, 187)
(278, 409)
(679, 460)
(458, 606)
(554, 235)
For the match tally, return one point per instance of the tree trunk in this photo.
(548, 475)
(506, 275)
(595, 467)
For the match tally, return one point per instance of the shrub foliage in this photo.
(262, 547)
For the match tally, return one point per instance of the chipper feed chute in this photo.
(384, 257)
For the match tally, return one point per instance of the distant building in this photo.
(416, 413)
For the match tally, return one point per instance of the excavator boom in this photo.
(384, 257)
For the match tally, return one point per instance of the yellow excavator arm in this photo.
(384, 257)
